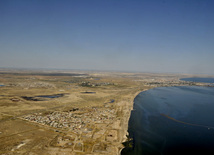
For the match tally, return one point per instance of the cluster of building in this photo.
(33, 85)
(169, 83)
(76, 121)
(89, 84)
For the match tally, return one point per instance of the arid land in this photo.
(70, 112)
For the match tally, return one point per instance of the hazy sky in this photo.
(126, 35)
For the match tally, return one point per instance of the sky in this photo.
(167, 36)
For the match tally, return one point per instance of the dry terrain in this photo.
(62, 112)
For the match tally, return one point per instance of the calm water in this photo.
(197, 79)
(51, 96)
(173, 120)
(38, 98)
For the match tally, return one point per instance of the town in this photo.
(71, 113)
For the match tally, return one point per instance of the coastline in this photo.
(128, 107)
(79, 122)
(141, 139)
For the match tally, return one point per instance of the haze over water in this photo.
(173, 120)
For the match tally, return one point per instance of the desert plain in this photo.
(70, 112)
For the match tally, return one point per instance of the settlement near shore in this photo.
(57, 112)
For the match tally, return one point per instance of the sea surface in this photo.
(173, 120)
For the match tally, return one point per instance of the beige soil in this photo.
(91, 118)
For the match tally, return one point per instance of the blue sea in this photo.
(173, 120)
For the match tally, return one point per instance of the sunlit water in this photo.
(173, 120)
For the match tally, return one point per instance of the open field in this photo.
(70, 112)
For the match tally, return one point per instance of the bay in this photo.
(173, 120)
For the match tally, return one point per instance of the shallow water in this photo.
(112, 101)
(42, 97)
(51, 96)
(173, 120)
(88, 92)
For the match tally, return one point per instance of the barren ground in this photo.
(87, 113)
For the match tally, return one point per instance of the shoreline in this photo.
(126, 118)
(78, 122)
(147, 135)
